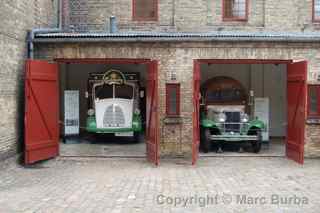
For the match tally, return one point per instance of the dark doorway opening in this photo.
(295, 100)
(37, 146)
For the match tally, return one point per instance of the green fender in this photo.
(206, 123)
(91, 123)
(136, 123)
(256, 124)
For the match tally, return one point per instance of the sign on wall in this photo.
(71, 112)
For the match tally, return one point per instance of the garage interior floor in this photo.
(103, 147)
(126, 148)
(275, 148)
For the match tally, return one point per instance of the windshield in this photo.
(104, 91)
(124, 91)
(225, 95)
(120, 91)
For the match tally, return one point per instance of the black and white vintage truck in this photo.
(113, 104)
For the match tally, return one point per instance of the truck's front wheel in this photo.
(256, 145)
(205, 140)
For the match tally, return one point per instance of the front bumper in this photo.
(92, 127)
(110, 130)
(234, 138)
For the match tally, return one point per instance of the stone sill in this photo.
(313, 121)
(172, 120)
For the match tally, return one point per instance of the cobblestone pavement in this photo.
(216, 184)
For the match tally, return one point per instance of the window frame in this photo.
(240, 19)
(317, 114)
(314, 18)
(155, 6)
(170, 87)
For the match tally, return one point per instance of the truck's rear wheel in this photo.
(205, 140)
(136, 137)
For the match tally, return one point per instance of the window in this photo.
(145, 10)
(104, 91)
(314, 101)
(316, 10)
(235, 10)
(173, 99)
(124, 91)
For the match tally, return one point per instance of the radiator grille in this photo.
(113, 117)
(232, 118)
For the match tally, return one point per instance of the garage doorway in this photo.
(44, 114)
(287, 117)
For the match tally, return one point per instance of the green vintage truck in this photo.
(225, 115)
(113, 104)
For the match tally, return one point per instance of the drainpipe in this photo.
(31, 36)
(32, 33)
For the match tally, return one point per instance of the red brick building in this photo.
(185, 43)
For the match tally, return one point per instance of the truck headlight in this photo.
(244, 118)
(137, 111)
(222, 117)
(91, 112)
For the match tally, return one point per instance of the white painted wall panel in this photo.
(267, 80)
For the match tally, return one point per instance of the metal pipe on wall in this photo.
(60, 9)
(33, 32)
(120, 37)
(31, 36)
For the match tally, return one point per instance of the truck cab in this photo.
(113, 104)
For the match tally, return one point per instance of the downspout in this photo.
(264, 14)
(60, 7)
(173, 21)
(32, 33)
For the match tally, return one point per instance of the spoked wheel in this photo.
(256, 145)
(205, 140)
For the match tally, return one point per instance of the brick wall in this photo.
(312, 143)
(17, 16)
(179, 58)
(190, 15)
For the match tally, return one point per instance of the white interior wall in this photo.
(266, 80)
(74, 77)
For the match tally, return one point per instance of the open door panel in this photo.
(297, 92)
(41, 111)
(196, 113)
(152, 114)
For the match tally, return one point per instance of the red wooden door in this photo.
(297, 92)
(196, 112)
(152, 114)
(41, 111)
